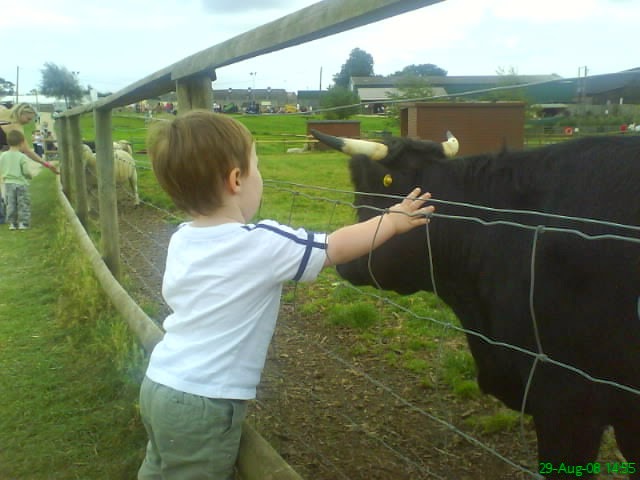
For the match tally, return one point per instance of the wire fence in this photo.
(145, 232)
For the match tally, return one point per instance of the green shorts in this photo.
(190, 437)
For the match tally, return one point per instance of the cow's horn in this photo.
(450, 146)
(352, 146)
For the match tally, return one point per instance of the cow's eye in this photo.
(387, 180)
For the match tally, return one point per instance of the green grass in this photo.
(459, 371)
(70, 370)
(502, 420)
(274, 133)
(360, 316)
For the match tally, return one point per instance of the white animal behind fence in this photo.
(124, 145)
(124, 166)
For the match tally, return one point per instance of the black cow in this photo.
(585, 293)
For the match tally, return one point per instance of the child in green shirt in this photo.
(15, 174)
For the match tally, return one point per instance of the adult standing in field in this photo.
(15, 119)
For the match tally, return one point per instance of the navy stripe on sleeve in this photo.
(305, 258)
(308, 242)
(290, 236)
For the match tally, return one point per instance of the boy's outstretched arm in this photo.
(353, 241)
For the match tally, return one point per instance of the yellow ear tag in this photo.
(387, 180)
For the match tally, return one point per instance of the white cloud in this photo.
(22, 17)
(543, 11)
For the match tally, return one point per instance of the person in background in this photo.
(38, 142)
(15, 119)
(50, 142)
(15, 175)
(223, 280)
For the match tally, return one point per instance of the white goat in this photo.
(302, 149)
(123, 145)
(124, 168)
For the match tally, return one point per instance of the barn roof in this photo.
(449, 81)
(372, 94)
(539, 88)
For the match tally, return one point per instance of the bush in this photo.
(343, 103)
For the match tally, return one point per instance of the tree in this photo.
(410, 87)
(359, 64)
(58, 82)
(413, 86)
(422, 70)
(508, 77)
(6, 87)
(343, 103)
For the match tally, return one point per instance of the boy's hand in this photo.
(411, 212)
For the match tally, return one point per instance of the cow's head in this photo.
(382, 174)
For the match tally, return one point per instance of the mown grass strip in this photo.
(68, 376)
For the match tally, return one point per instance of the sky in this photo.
(115, 43)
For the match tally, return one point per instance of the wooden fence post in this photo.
(107, 193)
(62, 131)
(257, 459)
(195, 92)
(80, 182)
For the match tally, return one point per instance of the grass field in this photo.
(70, 369)
(273, 133)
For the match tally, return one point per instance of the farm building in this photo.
(607, 89)
(374, 91)
(264, 98)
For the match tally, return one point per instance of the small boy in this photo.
(223, 281)
(15, 174)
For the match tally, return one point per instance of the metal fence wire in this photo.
(140, 249)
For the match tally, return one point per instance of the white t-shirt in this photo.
(224, 284)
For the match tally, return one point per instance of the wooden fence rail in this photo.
(191, 78)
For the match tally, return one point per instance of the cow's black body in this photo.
(585, 295)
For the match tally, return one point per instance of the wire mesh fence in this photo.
(334, 409)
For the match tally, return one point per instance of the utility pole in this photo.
(582, 85)
(252, 92)
(17, 82)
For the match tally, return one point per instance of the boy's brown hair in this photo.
(15, 138)
(193, 155)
